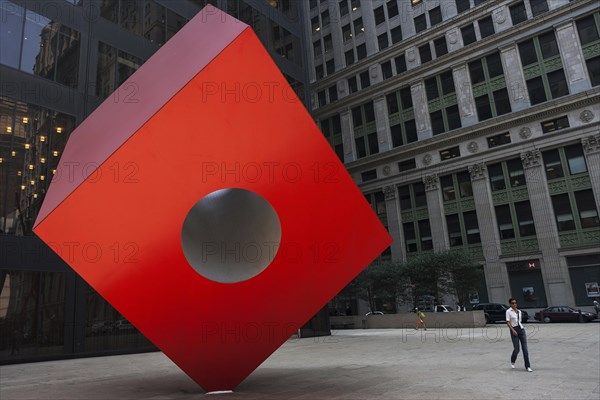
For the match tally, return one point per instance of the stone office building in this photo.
(58, 61)
(472, 124)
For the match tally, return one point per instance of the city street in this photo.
(351, 364)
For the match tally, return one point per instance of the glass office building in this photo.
(58, 61)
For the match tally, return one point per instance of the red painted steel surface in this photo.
(237, 124)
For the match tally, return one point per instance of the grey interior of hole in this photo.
(231, 235)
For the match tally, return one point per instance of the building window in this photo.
(365, 133)
(498, 140)
(400, 63)
(322, 99)
(552, 164)
(442, 102)
(563, 213)
(518, 13)
(379, 14)
(319, 71)
(346, 32)
(392, 7)
(365, 80)
(328, 43)
(401, 117)
(555, 124)
(361, 51)
(420, 23)
(333, 93)
(486, 27)
(352, 85)
(504, 220)
(407, 165)
(369, 175)
(314, 22)
(435, 16)
(516, 176)
(462, 5)
(542, 68)
(575, 159)
(358, 26)
(410, 237)
(538, 7)
(114, 67)
(425, 234)
(441, 47)
(386, 69)
(525, 218)
(330, 67)
(349, 56)
(317, 48)
(425, 53)
(589, 36)
(396, 34)
(471, 227)
(383, 41)
(468, 34)
(452, 152)
(332, 130)
(586, 208)
(343, 7)
(325, 18)
(496, 175)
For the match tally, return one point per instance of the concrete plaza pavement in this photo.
(351, 364)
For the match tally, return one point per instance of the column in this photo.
(571, 54)
(464, 95)
(368, 18)
(347, 136)
(591, 149)
(383, 124)
(417, 90)
(515, 80)
(437, 220)
(554, 267)
(392, 209)
(496, 275)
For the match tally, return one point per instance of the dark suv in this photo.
(497, 312)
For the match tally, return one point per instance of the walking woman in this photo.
(517, 331)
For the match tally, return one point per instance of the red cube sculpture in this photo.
(210, 111)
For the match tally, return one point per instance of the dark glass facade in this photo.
(58, 61)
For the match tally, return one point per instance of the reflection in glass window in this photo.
(114, 67)
(10, 33)
(32, 324)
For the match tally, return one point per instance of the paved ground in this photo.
(353, 364)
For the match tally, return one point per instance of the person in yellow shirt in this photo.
(420, 321)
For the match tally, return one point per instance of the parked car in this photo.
(375, 313)
(563, 314)
(497, 312)
(442, 308)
